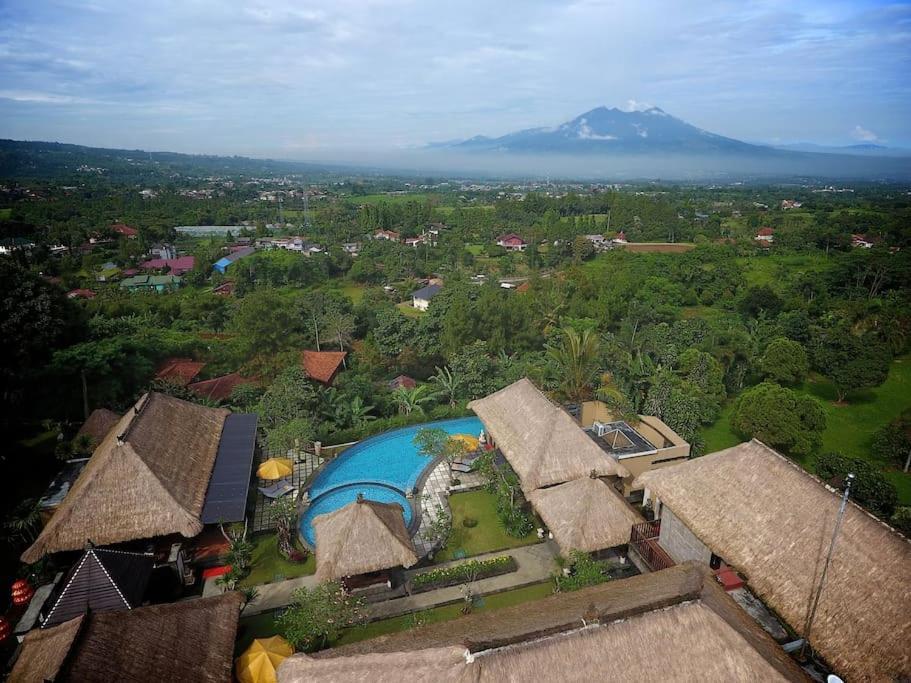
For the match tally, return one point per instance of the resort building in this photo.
(752, 509)
(323, 366)
(166, 470)
(674, 625)
(421, 298)
(190, 641)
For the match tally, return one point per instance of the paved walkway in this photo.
(535, 564)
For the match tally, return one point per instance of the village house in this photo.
(620, 238)
(222, 264)
(421, 298)
(390, 235)
(402, 382)
(753, 510)
(174, 266)
(787, 204)
(864, 241)
(125, 230)
(180, 371)
(80, 294)
(151, 283)
(512, 242)
(766, 235)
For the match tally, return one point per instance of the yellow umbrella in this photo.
(259, 661)
(275, 468)
(469, 442)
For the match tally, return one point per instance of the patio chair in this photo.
(278, 489)
(460, 467)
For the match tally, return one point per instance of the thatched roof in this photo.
(100, 422)
(147, 478)
(361, 537)
(586, 514)
(543, 444)
(773, 522)
(189, 641)
(677, 624)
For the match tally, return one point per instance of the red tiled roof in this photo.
(124, 229)
(177, 266)
(322, 365)
(765, 232)
(511, 238)
(179, 370)
(402, 381)
(80, 294)
(224, 289)
(218, 388)
(524, 287)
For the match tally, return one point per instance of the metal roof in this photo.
(226, 497)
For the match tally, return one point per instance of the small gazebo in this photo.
(362, 537)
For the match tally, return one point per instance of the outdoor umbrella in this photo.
(275, 468)
(259, 662)
(469, 442)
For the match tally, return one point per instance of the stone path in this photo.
(535, 564)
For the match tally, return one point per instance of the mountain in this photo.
(860, 149)
(613, 131)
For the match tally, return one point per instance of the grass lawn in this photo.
(474, 249)
(354, 292)
(409, 310)
(445, 613)
(764, 269)
(849, 428)
(487, 536)
(268, 565)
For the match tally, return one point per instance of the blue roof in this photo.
(427, 293)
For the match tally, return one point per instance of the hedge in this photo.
(460, 573)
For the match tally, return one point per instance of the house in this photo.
(864, 241)
(166, 470)
(180, 371)
(191, 641)
(414, 241)
(762, 514)
(219, 388)
(125, 230)
(175, 266)
(80, 294)
(402, 382)
(323, 366)
(163, 251)
(787, 204)
(222, 264)
(620, 238)
(765, 234)
(674, 625)
(352, 248)
(363, 537)
(224, 289)
(10, 244)
(107, 272)
(151, 283)
(598, 241)
(421, 298)
(512, 242)
(647, 444)
(390, 235)
(102, 580)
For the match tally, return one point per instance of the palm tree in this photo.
(23, 522)
(574, 361)
(413, 400)
(448, 384)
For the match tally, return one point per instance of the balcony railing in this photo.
(644, 538)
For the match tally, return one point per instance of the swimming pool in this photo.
(389, 460)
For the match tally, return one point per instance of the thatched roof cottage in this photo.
(167, 467)
(542, 442)
(772, 521)
(190, 641)
(677, 624)
(361, 538)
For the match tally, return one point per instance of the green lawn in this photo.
(354, 292)
(475, 249)
(269, 566)
(765, 269)
(445, 613)
(391, 198)
(5, 214)
(409, 310)
(849, 428)
(487, 536)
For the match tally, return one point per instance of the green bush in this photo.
(470, 522)
(871, 489)
(586, 571)
(901, 520)
(461, 573)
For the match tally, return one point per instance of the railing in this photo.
(644, 539)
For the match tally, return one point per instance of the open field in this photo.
(768, 270)
(392, 198)
(487, 536)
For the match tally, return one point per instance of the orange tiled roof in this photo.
(322, 365)
(179, 370)
(218, 388)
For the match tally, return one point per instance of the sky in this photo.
(298, 79)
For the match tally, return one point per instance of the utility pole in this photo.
(825, 570)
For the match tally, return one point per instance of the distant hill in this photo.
(861, 149)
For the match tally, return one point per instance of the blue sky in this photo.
(307, 79)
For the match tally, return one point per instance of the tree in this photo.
(263, 321)
(759, 300)
(317, 615)
(448, 384)
(575, 361)
(784, 362)
(24, 522)
(412, 400)
(439, 526)
(434, 442)
(292, 395)
(871, 488)
(284, 513)
(294, 434)
(780, 417)
(892, 442)
(849, 361)
(339, 327)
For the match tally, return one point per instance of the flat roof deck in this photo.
(620, 440)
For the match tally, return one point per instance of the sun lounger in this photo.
(278, 489)
(460, 467)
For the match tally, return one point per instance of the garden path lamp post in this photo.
(825, 570)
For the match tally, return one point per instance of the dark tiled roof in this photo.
(427, 292)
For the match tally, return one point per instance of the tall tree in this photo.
(575, 361)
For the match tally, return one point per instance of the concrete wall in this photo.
(679, 542)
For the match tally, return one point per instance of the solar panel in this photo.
(226, 497)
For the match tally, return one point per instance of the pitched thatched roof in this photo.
(189, 641)
(147, 478)
(677, 624)
(361, 537)
(543, 443)
(586, 514)
(99, 424)
(773, 521)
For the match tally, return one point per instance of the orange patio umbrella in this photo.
(259, 662)
(469, 442)
(275, 468)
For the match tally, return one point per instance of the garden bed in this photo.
(454, 575)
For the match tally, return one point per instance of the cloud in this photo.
(633, 105)
(864, 135)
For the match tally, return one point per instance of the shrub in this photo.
(462, 573)
(871, 489)
(586, 571)
(901, 520)
(470, 522)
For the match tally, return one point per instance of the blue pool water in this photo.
(390, 459)
(341, 496)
